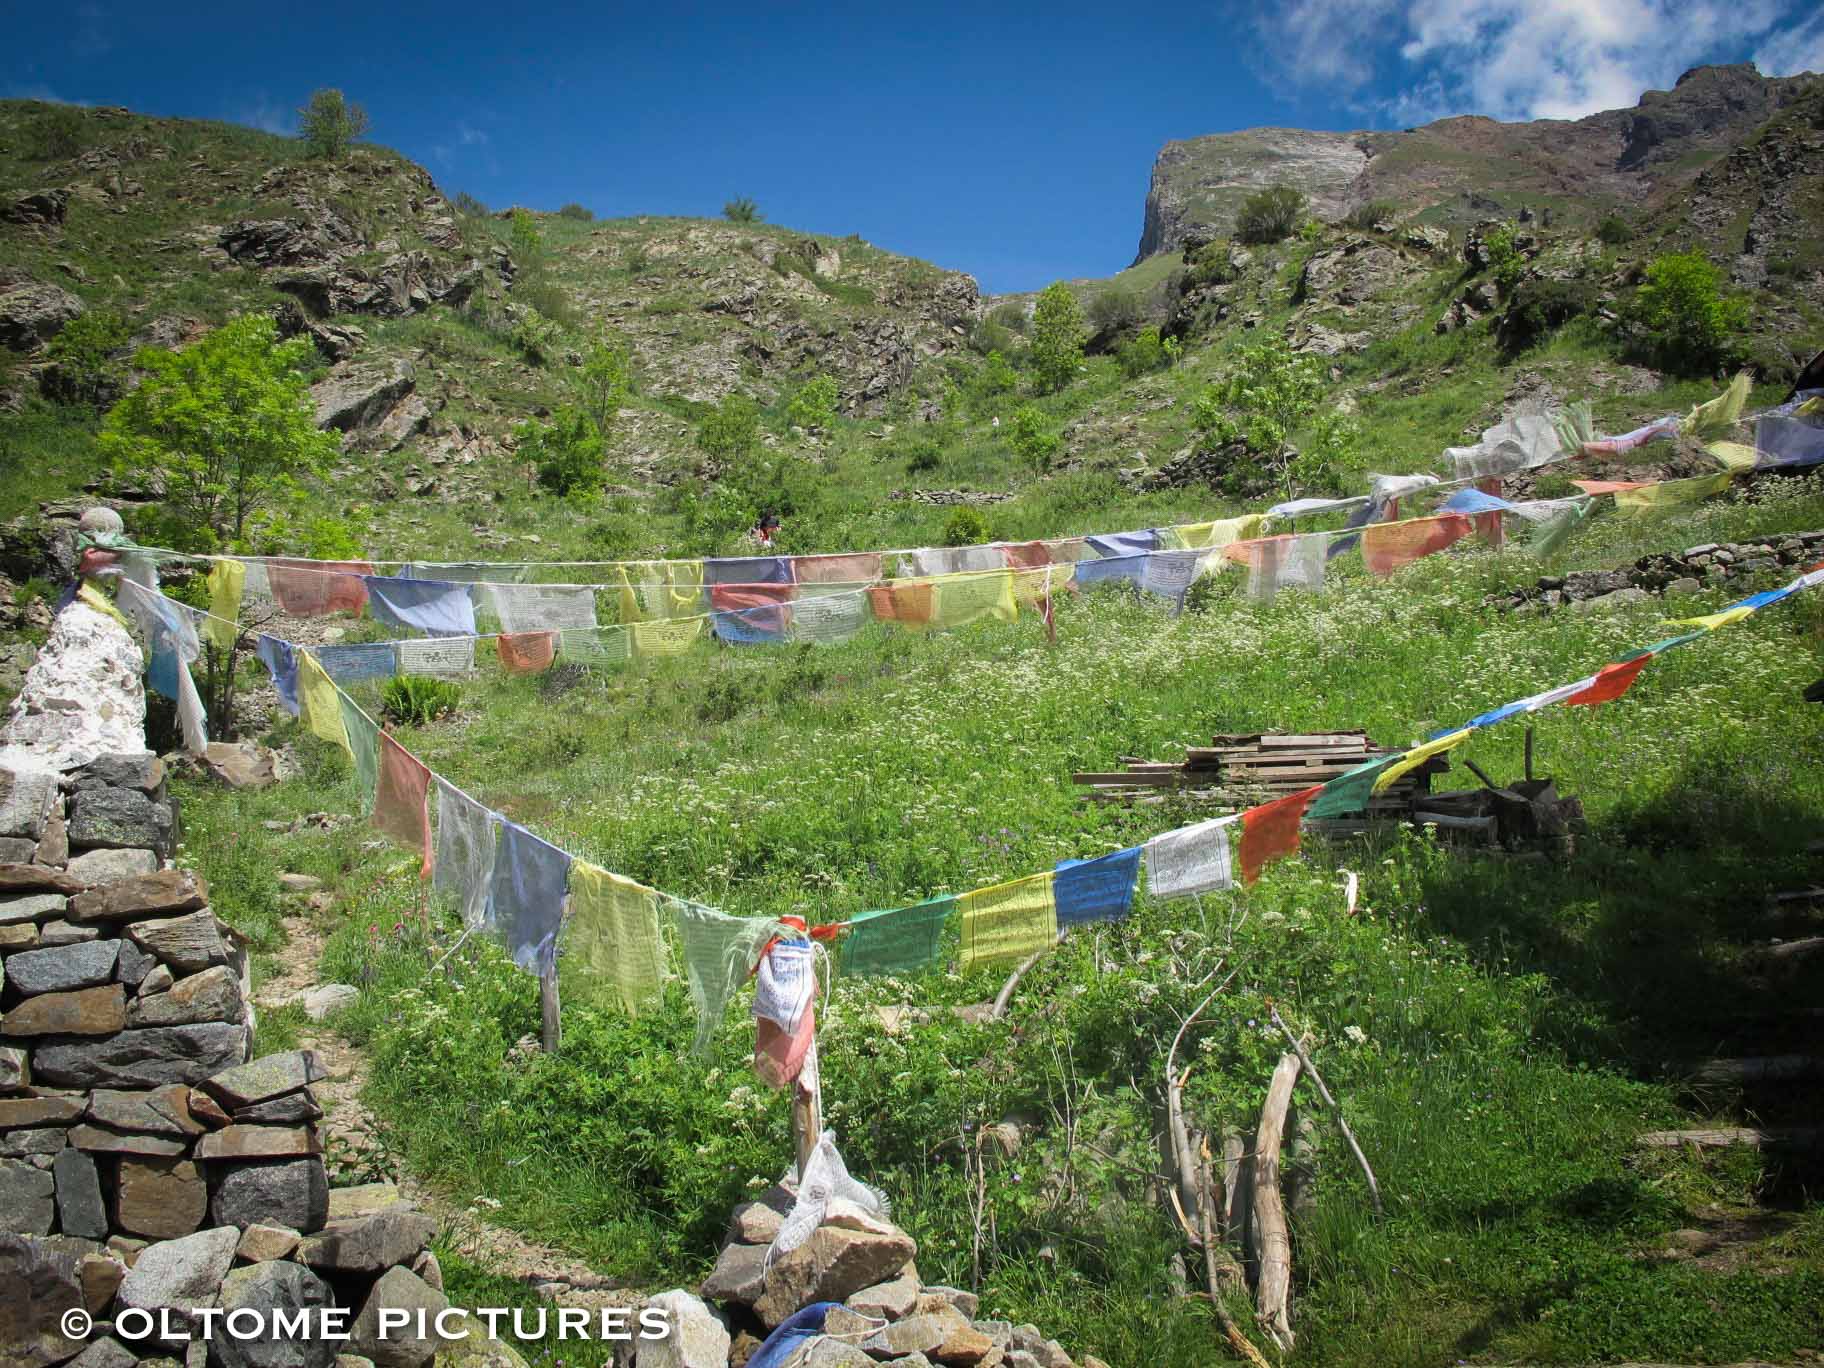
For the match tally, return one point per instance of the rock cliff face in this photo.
(1460, 170)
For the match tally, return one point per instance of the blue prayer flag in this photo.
(1131, 568)
(748, 570)
(364, 660)
(279, 656)
(1474, 501)
(1110, 544)
(1096, 890)
(434, 607)
(526, 899)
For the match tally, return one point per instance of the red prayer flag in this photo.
(1271, 830)
(318, 588)
(526, 652)
(763, 607)
(1034, 555)
(1611, 682)
(1388, 546)
(401, 800)
(860, 568)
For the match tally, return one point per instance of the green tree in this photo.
(83, 367)
(603, 382)
(742, 210)
(813, 406)
(1269, 215)
(581, 213)
(329, 123)
(731, 429)
(227, 422)
(1274, 389)
(1681, 316)
(527, 240)
(1057, 336)
(1032, 438)
(566, 451)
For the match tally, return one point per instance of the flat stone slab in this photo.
(146, 1058)
(57, 969)
(31, 907)
(269, 1076)
(213, 995)
(20, 877)
(189, 944)
(85, 1012)
(110, 866)
(159, 894)
(257, 1142)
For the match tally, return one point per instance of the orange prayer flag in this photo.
(526, 652)
(1271, 830)
(901, 601)
(1611, 682)
(318, 588)
(1034, 555)
(1388, 546)
(402, 800)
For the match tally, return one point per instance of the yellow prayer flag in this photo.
(1811, 407)
(1009, 922)
(227, 580)
(611, 951)
(99, 601)
(1719, 414)
(1410, 761)
(1733, 457)
(962, 599)
(321, 702)
(1671, 493)
(661, 589)
(1215, 535)
(666, 638)
(1711, 621)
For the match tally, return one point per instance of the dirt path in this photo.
(354, 1144)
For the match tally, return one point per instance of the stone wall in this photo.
(1669, 572)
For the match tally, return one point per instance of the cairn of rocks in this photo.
(1672, 572)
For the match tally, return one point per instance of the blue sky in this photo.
(1013, 142)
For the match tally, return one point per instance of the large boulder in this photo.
(40, 209)
(263, 1289)
(359, 395)
(182, 1275)
(32, 313)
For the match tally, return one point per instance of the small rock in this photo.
(388, 1237)
(300, 883)
(966, 1303)
(239, 1142)
(292, 1109)
(261, 1243)
(328, 998)
(58, 969)
(213, 995)
(158, 979)
(27, 799)
(119, 818)
(18, 1113)
(107, 1352)
(14, 1071)
(1605, 603)
(32, 907)
(23, 1144)
(86, 1012)
(100, 1275)
(100, 1140)
(41, 1285)
(269, 1076)
(739, 1275)
(697, 1338)
(890, 1300)
(830, 1266)
(267, 1288)
(427, 1267)
(62, 933)
(27, 1201)
(162, 1111)
(79, 1206)
(95, 867)
(361, 1201)
(133, 964)
(189, 944)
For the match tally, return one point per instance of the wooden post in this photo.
(551, 1035)
(807, 1110)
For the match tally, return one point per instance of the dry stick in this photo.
(1272, 1241)
(1218, 1280)
(1342, 1123)
(1002, 998)
(1184, 1193)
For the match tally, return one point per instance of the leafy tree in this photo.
(731, 429)
(1275, 390)
(603, 382)
(1114, 308)
(566, 451)
(742, 210)
(329, 123)
(227, 422)
(1269, 215)
(527, 240)
(83, 367)
(1032, 438)
(581, 213)
(1682, 318)
(536, 337)
(814, 405)
(1057, 336)
(1504, 257)
(1615, 230)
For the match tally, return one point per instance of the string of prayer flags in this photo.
(464, 572)
(1270, 831)
(1190, 860)
(748, 570)
(954, 560)
(437, 608)
(899, 940)
(321, 702)
(1299, 508)
(1008, 922)
(402, 807)
(363, 660)
(1113, 544)
(612, 949)
(1418, 755)
(227, 585)
(305, 588)
(466, 844)
(862, 568)
(958, 600)
(1611, 681)
(526, 652)
(444, 658)
(785, 1010)
(540, 607)
(1628, 441)
(1388, 546)
(363, 740)
(663, 637)
(526, 896)
(1101, 889)
(719, 953)
(1671, 493)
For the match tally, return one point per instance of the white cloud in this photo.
(1787, 52)
(471, 137)
(263, 114)
(1515, 59)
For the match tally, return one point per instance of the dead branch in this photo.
(1272, 1241)
(1342, 1123)
(1769, 1137)
(1185, 1175)
(1002, 998)
(1220, 1273)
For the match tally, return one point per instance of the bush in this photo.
(1210, 265)
(414, 700)
(1145, 352)
(329, 123)
(731, 429)
(1504, 258)
(1114, 309)
(995, 378)
(965, 527)
(1270, 215)
(988, 338)
(1364, 216)
(332, 538)
(58, 133)
(469, 206)
(1010, 316)
(577, 212)
(1538, 307)
(1031, 439)
(923, 455)
(813, 406)
(1057, 336)
(527, 240)
(1614, 230)
(1681, 317)
(84, 369)
(742, 210)
(535, 337)
(567, 451)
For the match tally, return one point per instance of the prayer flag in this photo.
(719, 953)
(907, 602)
(596, 645)
(1554, 530)
(466, 842)
(899, 940)
(444, 657)
(829, 617)
(466, 572)
(1212, 536)
(1734, 457)
(1598, 487)
(958, 600)
(1351, 791)
(227, 584)
(751, 612)
(785, 1010)
(1417, 756)
(1718, 415)
(954, 560)
(612, 951)
(317, 588)
(1670, 493)
(363, 748)
(748, 570)
(1271, 831)
(1275, 563)
(1299, 508)
(1027, 555)
(661, 589)
(1112, 568)
(1069, 550)
(1787, 442)
(433, 607)
(1628, 441)
(1522, 442)
(402, 800)
(666, 637)
(1193, 859)
(1388, 546)
(526, 652)
(1472, 501)
(1611, 682)
(363, 660)
(1101, 889)
(1711, 621)
(1008, 922)
(281, 657)
(321, 702)
(540, 607)
(1170, 573)
(1112, 544)
(526, 896)
(862, 568)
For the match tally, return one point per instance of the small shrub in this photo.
(1681, 317)
(731, 429)
(1538, 307)
(813, 405)
(329, 123)
(1114, 309)
(1143, 352)
(923, 455)
(1364, 216)
(996, 377)
(988, 338)
(578, 212)
(58, 133)
(527, 240)
(535, 337)
(1010, 316)
(637, 260)
(1032, 438)
(332, 538)
(84, 369)
(415, 700)
(1270, 215)
(1210, 265)
(567, 451)
(1614, 230)
(469, 206)
(1504, 258)
(742, 210)
(965, 527)
(1057, 336)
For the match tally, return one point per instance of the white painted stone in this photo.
(83, 697)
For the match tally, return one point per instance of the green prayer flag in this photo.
(364, 745)
(1556, 530)
(720, 951)
(899, 940)
(1350, 791)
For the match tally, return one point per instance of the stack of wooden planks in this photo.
(1237, 771)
